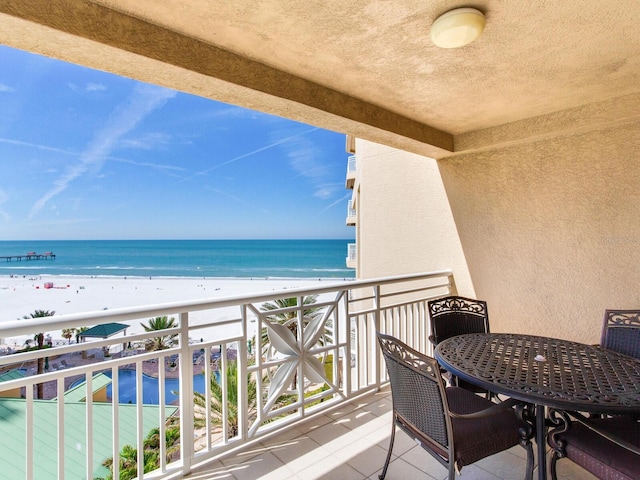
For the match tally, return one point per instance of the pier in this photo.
(29, 256)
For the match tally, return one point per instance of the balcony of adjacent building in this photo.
(351, 214)
(351, 255)
(351, 172)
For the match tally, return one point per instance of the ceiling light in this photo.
(457, 28)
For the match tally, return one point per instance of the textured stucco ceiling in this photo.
(365, 67)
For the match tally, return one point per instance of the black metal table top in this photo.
(545, 371)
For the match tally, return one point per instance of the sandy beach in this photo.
(20, 296)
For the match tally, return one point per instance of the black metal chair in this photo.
(609, 448)
(451, 316)
(621, 332)
(456, 426)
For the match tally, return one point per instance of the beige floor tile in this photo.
(265, 466)
(332, 436)
(351, 443)
(401, 470)
(331, 468)
(300, 452)
(365, 458)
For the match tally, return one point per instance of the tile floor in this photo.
(351, 444)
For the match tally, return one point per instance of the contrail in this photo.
(262, 149)
(125, 118)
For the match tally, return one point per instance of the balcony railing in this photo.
(351, 171)
(352, 255)
(351, 214)
(243, 367)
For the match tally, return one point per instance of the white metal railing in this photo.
(351, 163)
(240, 371)
(351, 212)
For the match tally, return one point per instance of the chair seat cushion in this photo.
(479, 438)
(603, 458)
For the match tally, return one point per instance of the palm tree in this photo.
(151, 445)
(39, 339)
(68, 333)
(217, 400)
(164, 342)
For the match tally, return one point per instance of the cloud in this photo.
(89, 87)
(144, 100)
(306, 158)
(249, 154)
(6, 88)
(237, 199)
(338, 202)
(46, 148)
(150, 141)
(95, 87)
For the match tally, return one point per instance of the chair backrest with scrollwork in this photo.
(621, 332)
(418, 394)
(451, 316)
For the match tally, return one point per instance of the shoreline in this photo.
(22, 295)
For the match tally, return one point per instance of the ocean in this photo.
(181, 258)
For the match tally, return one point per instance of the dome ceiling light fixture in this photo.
(457, 28)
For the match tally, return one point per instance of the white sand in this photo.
(20, 296)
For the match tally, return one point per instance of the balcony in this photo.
(351, 172)
(238, 376)
(351, 214)
(278, 404)
(351, 259)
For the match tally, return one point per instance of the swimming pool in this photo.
(127, 387)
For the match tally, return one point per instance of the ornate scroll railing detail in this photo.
(237, 373)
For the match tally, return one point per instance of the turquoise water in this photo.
(182, 258)
(127, 387)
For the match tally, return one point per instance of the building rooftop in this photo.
(12, 440)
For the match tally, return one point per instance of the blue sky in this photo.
(89, 155)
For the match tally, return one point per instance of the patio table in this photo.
(545, 372)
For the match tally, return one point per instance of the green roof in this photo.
(104, 330)
(79, 392)
(45, 441)
(11, 375)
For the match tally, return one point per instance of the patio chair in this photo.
(454, 425)
(451, 316)
(609, 448)
(621, 332)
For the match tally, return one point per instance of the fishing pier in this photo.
(29, 256)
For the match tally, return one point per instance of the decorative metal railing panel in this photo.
(242, 367)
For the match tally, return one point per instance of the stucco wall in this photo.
(551, 230)
(404, 222)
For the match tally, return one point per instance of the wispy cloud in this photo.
(95, 87)
(87, 87)
(236, 199)
(306, 159)
(47, 148)
(149, 141)
(144, 100)
(6, 88)
(249, 154)
(38, 146)
(340, 201)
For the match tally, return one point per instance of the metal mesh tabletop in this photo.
(547, 371)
